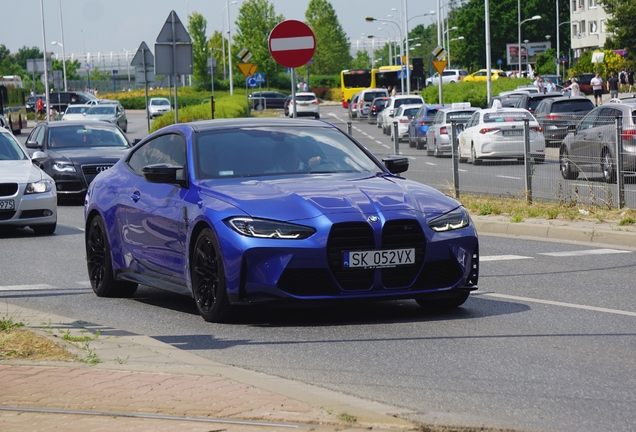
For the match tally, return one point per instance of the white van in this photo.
(366, 97)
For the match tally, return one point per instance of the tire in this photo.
(412, 143)
(607, 167)
(47, 229)
(473, 156)
(565, 166)
(208, 278)
(99, 263)
(460, 158)
(126, 127)
(18, 131)
(317, 116)
(443, 304)
(436, 152)
(429, 150)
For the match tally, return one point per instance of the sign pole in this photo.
(293, 86)
(174, 69)
(143, 56)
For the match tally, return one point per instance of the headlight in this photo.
(38, 187)
(452, 220)
(261, 228)
(63, 167)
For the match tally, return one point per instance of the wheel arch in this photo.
(198, 227)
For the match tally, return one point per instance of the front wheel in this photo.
(208, 278)
(99, 263)
(607, 167)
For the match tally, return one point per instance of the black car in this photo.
(77, 151)
(556, 114)
(61, 100)
(507, 100)
(530, 101)
(377, 105)
(32, 101)
(268, 100)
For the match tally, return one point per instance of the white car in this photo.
(386, 116)
(28, 196)
(75, 112)
(158, 106)
(307, 105)
(448, 76)
(497, 133)
(403, 116)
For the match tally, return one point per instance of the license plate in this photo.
(378, 258)
(513, 132)
(7, 205)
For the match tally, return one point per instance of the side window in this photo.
(39, 136)
(439, 117)
(588, 120)
(165, 149)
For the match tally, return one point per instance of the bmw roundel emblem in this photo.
(373, 219)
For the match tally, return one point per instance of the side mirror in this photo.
(32, 144)
(164, 173)
(395, 163)
(39, 156)
(571, 128)
(136, 141)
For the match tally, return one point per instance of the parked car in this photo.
(404, 116)
(438, 137)
(508, 100)
(449, 76)
(61, 100)
(377, 105)
(32, 101)
(497, 133)
(268, 100)
(385, 117)
(112, 113)
(256, 223)
(353, 106)
(27, 194)
(482, 75)
(530, 101)
(585, 83)
(555, 115)
(4, 123)
(287, 102)
(366, 99)
(591, 146)
(307, 105)
(419, 125)
(77, 151)
(158, 106)
(75, 112)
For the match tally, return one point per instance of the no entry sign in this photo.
(292, 43)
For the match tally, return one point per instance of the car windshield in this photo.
(159, 102)
(10, 149)
(507, 116)
(459, 116)
(573, 106)
(305, 98)
(410, 112)
(407, 101)
(86, 135)
(369, 96)
(265, 151)
(77, 109)
(101, 110)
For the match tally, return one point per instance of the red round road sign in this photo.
(292, 43)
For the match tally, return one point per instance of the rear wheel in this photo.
(473, 155)
(208, 278)
(607, 167)
(565, 165)
(429, 150)
(99, 263)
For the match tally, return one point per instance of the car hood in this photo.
(73, 117)
(310, 196)
(22, 171)
(87, 154)
(105, 117)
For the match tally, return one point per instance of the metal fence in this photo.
(595, 165)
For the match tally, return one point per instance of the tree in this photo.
(620, 22)
(196, 28)
(215, 44)
(255, 21)
(332, 48)
(362, 60)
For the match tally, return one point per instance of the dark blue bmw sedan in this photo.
(242, 211)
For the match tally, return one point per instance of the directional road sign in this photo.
(439, 65)
(260, 77)
(251, 81)
(292, 43)
(439, 52)
(245, 55)
(247, 69)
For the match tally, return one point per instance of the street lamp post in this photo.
(525, 41)
(448, 51)
(229, 43)
(446, 39)
(536, 17)
(371, 19)
(559, 47)
(63, 62)
(62, 45)
(127, 68)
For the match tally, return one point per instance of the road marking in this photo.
(556, 303)
(430, 163)
(507, 177)
(502, 257)
(462, 170)
(379, 142)
(585, 252)
(385, 146)
(412, 157)
(25, 287)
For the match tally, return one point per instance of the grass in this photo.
(19, 343)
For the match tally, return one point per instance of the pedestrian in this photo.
(597, 88)
(31, 93)
(630, 79)
(612, 85)
(40, 109)
(549, 86)
(575, 90)
(622, 83)
(394, 91)
(538, 83)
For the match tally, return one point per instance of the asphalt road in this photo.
(547, 343)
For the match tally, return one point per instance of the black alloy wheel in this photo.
(208, 278)
(100, 268)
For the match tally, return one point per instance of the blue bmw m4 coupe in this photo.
(243, 211)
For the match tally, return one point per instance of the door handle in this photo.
(135, 196)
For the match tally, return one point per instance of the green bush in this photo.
(473, 92)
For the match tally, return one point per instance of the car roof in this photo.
(410, 106)
(544, 95)
(305, 94)
(58, 124)
(565, 98)
(207, 125)
(451, 109)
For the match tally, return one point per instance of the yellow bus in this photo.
(352, 81)
(389, 76)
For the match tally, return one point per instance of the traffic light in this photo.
(418, 67)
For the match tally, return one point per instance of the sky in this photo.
(106, 26)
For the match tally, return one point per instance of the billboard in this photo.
(529, 52)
